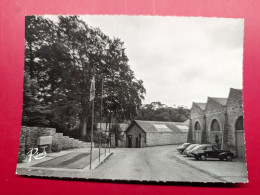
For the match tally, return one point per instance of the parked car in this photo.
(188, 150)
(205, 151)
(183, 147)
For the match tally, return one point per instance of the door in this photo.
(136, 142)
(209, 152)
(198, 136)
(240, 144)
(129, 141)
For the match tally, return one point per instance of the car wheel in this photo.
(203, 157)
(229, 158)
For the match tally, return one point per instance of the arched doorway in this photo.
(215, 133)
(215, 125)
(197, 133)
(240, 139)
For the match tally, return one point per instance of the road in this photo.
(160, 163)
(149, 164)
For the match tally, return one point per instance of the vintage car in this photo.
(188, 150)
(183, 147)
(205, 151)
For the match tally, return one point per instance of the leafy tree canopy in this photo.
(60, 60)
(156, 111)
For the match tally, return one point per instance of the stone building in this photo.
(155, 133)
(220, 121)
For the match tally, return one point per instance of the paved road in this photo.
(161, 163)
(150, 164)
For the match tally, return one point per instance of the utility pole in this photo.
(106, 126)
(101, 104)
(92, 98)
(110, 119)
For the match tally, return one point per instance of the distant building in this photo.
(220, 121)
(155, 133)
(116, 141)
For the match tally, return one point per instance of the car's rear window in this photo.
(203, 147)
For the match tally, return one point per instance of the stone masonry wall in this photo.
(165, 138)
(197, 115)
(234, 111)
(28, 139)
(32, 133)
(21, 153)
(215, 111)
(201, 121)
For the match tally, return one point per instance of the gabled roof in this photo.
(123, 126)
(202, 106)
(162, 126)
(222, 101)
(187, 122)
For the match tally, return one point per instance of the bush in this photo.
(56, 145)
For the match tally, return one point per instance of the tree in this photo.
(61, 57)
(156, 111)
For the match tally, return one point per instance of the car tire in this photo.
(229, 158)
(203, 157)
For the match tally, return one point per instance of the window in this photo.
(239, 123)
(197, 126)
(215, 125)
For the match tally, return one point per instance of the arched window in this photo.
(197, 126)
(239, 123)
(215, 125)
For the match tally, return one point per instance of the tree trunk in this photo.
(83, 131)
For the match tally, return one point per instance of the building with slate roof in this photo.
(154, 133)
(219, 121)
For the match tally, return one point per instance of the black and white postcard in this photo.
(133, 98)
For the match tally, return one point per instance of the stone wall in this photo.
(197, 115)
(32, 133)
(29, 135)
(201, 121)
(216, 111)
(165, 138)
(21, 153)
(234, 111)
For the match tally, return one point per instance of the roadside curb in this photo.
(200, 169)
(96, 162)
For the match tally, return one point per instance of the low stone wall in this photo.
(165, 138)
(21, 153)
(29, 135)
(32, 133)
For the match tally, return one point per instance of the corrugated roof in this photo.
(201, 105)
(222, 101)
(162, 126)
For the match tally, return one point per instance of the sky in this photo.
(180, 59)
